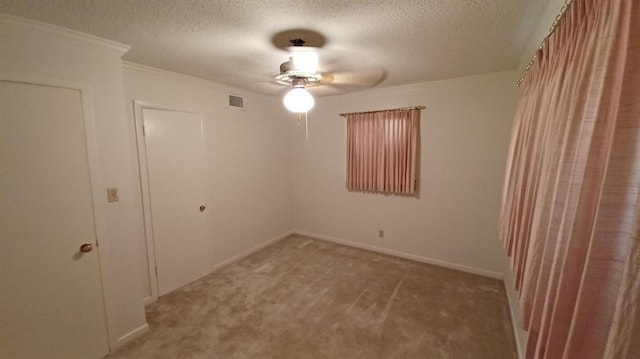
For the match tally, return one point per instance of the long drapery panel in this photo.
(382, 151)
(569, 217)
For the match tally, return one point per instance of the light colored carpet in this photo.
(306, 298)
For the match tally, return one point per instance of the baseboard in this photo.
(514, 325)
(147, 300)
(437, 262)
(251, 251)
(131, 336)
(519, 335)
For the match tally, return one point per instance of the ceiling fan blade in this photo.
(354, 80)
(326, 90)
(354, 72)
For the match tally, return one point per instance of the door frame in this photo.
(95, 183)
(138, 108)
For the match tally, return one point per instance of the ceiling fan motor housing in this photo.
(289, 75)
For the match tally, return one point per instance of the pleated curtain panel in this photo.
(570, 211)
(382, 151)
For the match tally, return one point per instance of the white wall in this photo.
(465, 131)
(248, 157)
(544, 22)
(36, 49)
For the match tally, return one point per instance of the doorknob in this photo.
(202, 208)
(86, 248)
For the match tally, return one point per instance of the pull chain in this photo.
(306, 125)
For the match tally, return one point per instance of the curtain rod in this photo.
(391, 109)
(552, 29)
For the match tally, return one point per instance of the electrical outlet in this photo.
(381, 233)
(112, 195)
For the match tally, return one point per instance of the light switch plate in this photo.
(112, 195)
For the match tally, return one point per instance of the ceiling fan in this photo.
(301, 70)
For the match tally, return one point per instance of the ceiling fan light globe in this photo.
(298, 100)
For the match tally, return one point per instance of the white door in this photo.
(175, 165)
(51, 303)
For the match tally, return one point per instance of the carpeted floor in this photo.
(306, 298)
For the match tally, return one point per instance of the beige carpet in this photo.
(305, 298)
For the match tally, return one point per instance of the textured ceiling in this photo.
(368, 43)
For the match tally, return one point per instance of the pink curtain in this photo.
(569, 215)
(382, 148)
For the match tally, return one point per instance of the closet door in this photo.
(176, 175)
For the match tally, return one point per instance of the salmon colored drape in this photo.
(570, 208)
(382, 151)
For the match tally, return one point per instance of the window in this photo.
(382, 150)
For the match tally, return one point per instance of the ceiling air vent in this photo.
(236, 101)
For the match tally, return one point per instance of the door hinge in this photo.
(97, 243)
(156, 269)
(144, 132)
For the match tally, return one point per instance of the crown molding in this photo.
(132, 66)
(64, 32)
(135, 67)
